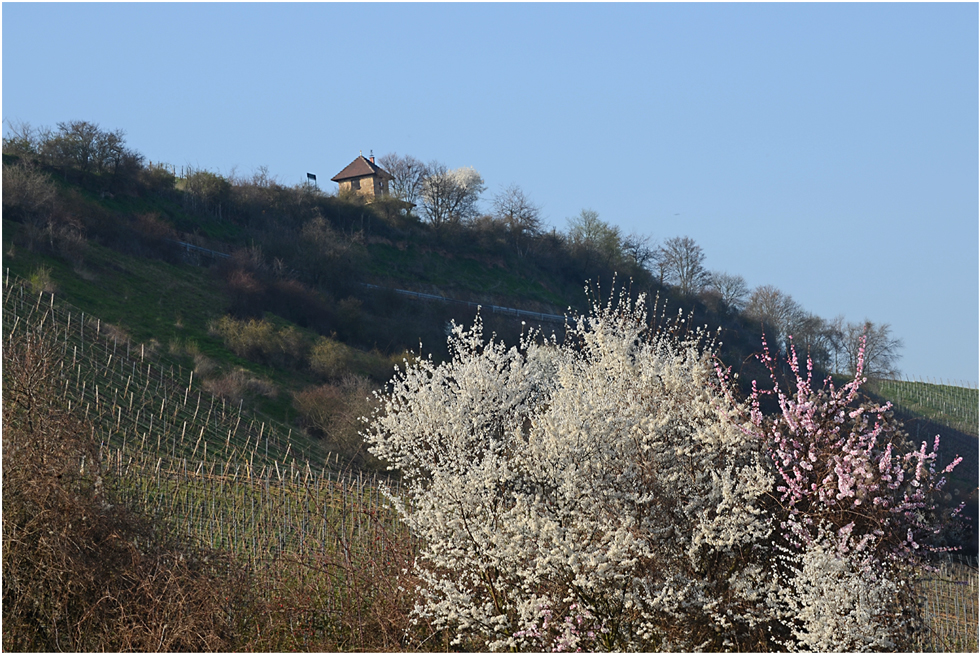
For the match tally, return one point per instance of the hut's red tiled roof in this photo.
(360, 167)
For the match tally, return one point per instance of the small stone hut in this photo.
(365, 177)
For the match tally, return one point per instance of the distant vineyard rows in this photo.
(189, 458)
(261, 515)
(953, 406)
(137, 402)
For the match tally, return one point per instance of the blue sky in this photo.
(828, 149)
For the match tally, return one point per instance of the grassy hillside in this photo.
(142, 402)
(414, 266)
(223, 392)
(165, 307)
(953, 406)
(286, 323)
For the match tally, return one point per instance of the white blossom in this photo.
(839, 598)
(602, 473)
(609, 492)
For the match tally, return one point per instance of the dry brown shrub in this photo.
(27, 190)
(40, 280)
(357, 598)
(333, 412)
(152, 226)
(330, 358)
(238, 384)
(381, 367)
(245, 291)
(203, 366)
(116, 333)
(260, 340)
(80, 570)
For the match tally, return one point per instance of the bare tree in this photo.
(450, 196)
(521, 217)
(83, 145)
(681, 262)
(880, 347)
(206, 190)
(777, 311)
(640, 249)
(27, 190)
(30, 196)
(408, 176)
(813, 337)
(731, 288)
(24, 140)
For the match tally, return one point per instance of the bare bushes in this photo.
(40, 280)
(333, 360)
(116, 333)
(238, 384)
(205, 191)
(254, 289)
(330, 358)
(30, 197)
(81, 571)
(356, 598)
(333, 411)
(27, 191)
(260, 340)
(329, 259)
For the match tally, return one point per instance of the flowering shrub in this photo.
(839, 598)
(856, 505)
(609, 492)
(847, 465)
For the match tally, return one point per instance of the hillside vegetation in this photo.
(287, 322)
(326, 549)
(954, 406)
(286, 318)
(141, 513)
(217, 391)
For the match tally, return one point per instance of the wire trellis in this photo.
(948, 598)
(137, 401)
(260, 514)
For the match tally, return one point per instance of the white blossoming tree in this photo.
(586, 494)
(609, 492)
(838, 596)
(450, 197)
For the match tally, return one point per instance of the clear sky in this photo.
(828, 149)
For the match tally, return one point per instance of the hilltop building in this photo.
(365, 177)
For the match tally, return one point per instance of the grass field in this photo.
(425, 270)
(164, 306)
